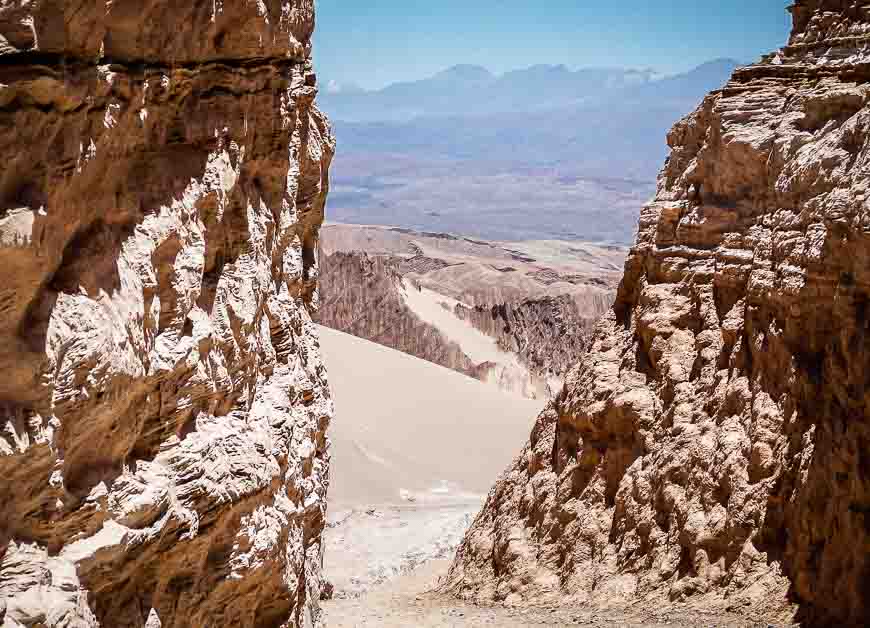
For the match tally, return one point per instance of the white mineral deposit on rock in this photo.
(163, 403)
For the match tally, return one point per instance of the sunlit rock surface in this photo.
(163, 405)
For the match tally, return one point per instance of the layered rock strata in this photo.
(713, 446)
(538, 339)
(163, 406)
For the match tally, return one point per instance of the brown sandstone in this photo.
(163, 406)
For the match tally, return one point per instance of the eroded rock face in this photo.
(361, 296)
(536, 340)
(163, 405)
(714, 444)
(548, 334)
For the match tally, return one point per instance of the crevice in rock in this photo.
(163, 259)
(89, 260)
(226, 240)
(137, 66)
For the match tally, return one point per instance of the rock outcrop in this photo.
(713, 446)
(369, 296)
(548, 334)
(163, 405)
(499, 316)
(362, 296)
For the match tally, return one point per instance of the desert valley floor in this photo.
(395, 519)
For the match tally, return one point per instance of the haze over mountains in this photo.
(536, 88)
(543, 152)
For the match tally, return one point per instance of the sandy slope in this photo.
(415, 449)
(506, 370)
(437, 310)
(405, 427)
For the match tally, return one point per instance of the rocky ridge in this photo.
(362, 296)
(366, 296)
(548, 334)
(163, 404)
(376, 283)
(711, 448)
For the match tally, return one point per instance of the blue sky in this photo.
(376, 42)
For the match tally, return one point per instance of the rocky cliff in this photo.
(713, 447)
(163, 405)
(362, 296)
(548, 334)
(515, 315)
(371, 297)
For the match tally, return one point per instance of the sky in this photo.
(373, 43)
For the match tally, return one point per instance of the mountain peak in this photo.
(465, 72)
(533, 88)
(717, 64)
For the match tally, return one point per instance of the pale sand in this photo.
(505, 370)
(407, 428)
(430, 307)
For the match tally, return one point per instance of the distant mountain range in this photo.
(539, 153)
(474, 90)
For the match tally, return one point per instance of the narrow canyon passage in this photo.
(578, 346)
(708, 453)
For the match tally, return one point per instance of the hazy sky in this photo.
(375, 42)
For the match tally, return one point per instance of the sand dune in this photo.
(406, 428)
(437, 310)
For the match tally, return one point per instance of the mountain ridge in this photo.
(555, 86)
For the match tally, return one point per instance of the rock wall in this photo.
(548, 334)
(713, 447)
(361, 296)
(163, 405)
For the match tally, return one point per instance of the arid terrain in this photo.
(516, 315)
(479, 272)
(409, 475)
(414, 448)
(706, 460)
(538, 153)
(216, 411)
(413, 599)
